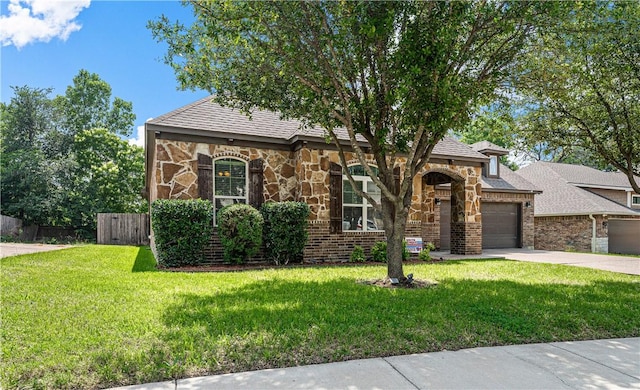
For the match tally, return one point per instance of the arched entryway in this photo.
(447, 211)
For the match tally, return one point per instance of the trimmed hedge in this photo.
(240, 231)
(182, 230)
(285, 230)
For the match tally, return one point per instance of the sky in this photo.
(45, 43)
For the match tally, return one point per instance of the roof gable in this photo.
(487, 147)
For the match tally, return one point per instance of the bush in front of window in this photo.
(285, 231)
(182, 230)
(379, 251)
(357, 255)
(240, 232)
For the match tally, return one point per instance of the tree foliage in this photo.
(581, 83)
(87, 105)
(55, 168)
(399, 74)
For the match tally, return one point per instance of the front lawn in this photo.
(101, 316)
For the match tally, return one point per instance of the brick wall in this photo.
(466, 238)
(566, 233)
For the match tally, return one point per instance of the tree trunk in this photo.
(395, 239)
(395, 222)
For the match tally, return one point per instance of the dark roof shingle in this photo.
(562, 197)
(210, 118)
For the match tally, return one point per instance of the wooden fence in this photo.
(123, 229)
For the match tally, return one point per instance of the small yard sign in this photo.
(414, 244)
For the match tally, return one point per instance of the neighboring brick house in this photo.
(204, 150)
(584, 209)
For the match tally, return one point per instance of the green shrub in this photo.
(182, 230)
(285, 230)
(240, 231)
(425, 253)
(379, 251)
(357, 255)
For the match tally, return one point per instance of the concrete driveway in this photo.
(622, 264)
(12, 249)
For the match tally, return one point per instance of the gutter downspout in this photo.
(593, 233)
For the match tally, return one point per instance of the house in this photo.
(584, 209)
(204, 150)
(507, 203)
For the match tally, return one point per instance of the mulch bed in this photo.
(386, 283)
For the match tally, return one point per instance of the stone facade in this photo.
(303, 175)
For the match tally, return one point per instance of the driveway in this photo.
(622, 264)
(12, 249)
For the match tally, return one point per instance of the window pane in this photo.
(349, 195)
(223, 186)
(493, 165)
(374, 219)
(358, 170)
(352, 218)
(238, 186)
(373, 191)
(230, 177)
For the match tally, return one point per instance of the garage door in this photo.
(445, 225)
(501, 225)
(624, 236)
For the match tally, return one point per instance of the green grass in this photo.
(100, 316)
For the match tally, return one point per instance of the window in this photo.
(229, 183)
(493, 166)
(635, 200)
(357, 213)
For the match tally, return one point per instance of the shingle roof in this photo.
(451, 147)
(508, 180)
(562, 197)
(583, 176)
(209, 118)
(486, 146)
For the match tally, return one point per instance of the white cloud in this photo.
(31, 21)
(139, 139)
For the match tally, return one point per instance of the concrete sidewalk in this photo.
(599, 364)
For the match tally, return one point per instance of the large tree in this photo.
(581, 84)
(26, 174)
(108, 178)
(399, 74)
(56, 167)
(87, 104)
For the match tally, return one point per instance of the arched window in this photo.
(229, 182)
(357, 213)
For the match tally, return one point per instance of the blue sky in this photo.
(45, 43)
